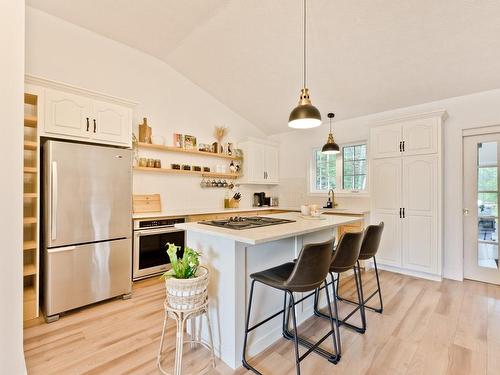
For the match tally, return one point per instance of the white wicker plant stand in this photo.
(186, 299)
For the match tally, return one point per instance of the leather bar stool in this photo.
(369, 248)
(344, 259)
(307, 274)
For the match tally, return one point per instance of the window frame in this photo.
(339, 191)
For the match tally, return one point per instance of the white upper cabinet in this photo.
(111, 122)
(405, 138)
(271, 164)
(73, 113)
(385, 141)
(67, 114)
(420, 136)
(261, 162)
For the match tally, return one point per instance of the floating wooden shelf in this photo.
(30, 145)
(29, 270)
(180, 171)
(30, 121)
(192, 152)
(29, 220)
(29, 245)
(30, 195)
(29, 169)
(29, 293)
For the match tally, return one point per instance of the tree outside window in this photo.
(354, 167)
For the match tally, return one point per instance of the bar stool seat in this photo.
(275, 277)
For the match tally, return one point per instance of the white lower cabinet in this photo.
(420, 193)
(406, 194)
(390, 245)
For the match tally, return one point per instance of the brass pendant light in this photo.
(330, 146)
(305, 115)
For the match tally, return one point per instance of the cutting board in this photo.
(146, 203)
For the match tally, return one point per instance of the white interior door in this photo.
(480, 181)
(386, 206)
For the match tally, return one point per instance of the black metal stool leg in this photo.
(381, 309)
(296, 336)
(336, 317)
(361, 306)
(244, 360)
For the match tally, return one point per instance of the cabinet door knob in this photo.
(88, 124)
(400, 146)
(400, 212)
(95, 126)
(403, 146)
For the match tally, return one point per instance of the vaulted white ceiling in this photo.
(364, 56)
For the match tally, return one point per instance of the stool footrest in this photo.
(378, 310)
(333, 358)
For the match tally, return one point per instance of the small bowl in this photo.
(305, 210)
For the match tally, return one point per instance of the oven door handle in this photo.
(148, 232)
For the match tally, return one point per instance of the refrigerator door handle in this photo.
(61, 249)
(53, 234)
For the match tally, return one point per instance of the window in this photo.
(345, 171)
(326, 171)
(354, 167)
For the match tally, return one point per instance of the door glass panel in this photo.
(487, 205)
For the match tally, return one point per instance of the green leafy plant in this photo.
(185, 267)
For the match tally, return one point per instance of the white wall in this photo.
(61, 51)
(11, 113)
(471, 111)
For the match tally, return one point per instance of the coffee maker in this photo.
(259, 199)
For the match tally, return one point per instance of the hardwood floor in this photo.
(426, 328)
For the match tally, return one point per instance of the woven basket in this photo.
(188, 294)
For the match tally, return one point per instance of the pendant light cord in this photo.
(305, 41)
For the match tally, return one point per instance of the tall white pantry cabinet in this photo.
(406, 167)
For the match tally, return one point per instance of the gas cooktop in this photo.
(242, 222)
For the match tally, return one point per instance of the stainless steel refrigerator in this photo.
(87, 225)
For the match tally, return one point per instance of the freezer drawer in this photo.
(79, 275)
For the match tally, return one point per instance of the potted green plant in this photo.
(186, 282)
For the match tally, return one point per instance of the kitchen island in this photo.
(232, 255)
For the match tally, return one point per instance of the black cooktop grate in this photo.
(239, 223)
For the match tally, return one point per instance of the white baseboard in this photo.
(404, 271)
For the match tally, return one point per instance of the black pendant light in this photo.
(305, 115)
(330, 146)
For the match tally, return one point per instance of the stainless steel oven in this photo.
(150, 241)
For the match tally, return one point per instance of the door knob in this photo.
(466, 211)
